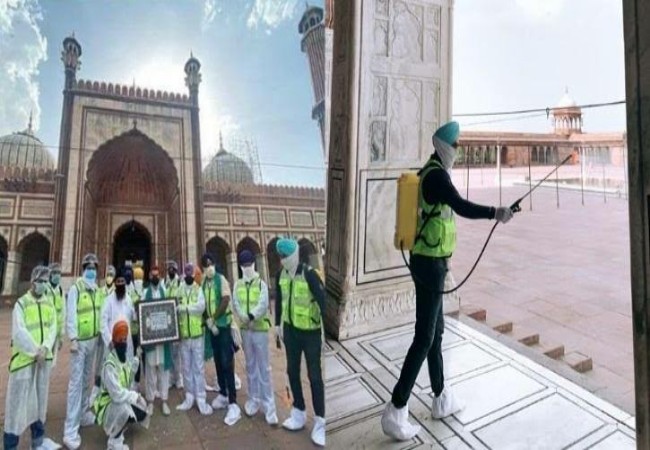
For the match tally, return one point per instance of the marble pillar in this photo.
(232, 263)
(12, 272)
(391, 89)
(636, 24)
(261, 267)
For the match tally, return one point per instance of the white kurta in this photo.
(156, 356)
(27, 389)
(157, 378)
(119, 410)
(113, 311)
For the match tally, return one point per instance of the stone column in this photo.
(391, 86)
(12, 272)
(232, 263)
(262, 267)
(636, 23)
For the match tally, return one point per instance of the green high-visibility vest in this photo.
(299, 307)
(172, 287)
(438, 237)
(212, 294)
(136, 299)
(56, 295)
(191, 326)
(88, 312)
(39, 318)
(102, 401)
(249, 294)
(103, 293)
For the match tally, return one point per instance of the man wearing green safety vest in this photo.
(218, 321)
(55, 291)
(33, 335)
(299, 305)
(172, 286)
(191, 305)
(251, 306)
(117, 405)
(435, 242)
(102, 294)
(83, 314)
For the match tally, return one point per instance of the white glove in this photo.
(209, 322)
(279, 332)
(138, 352)
(135, 363)
(133, 398)
(214, 330)
(503, 214)
(74, 346)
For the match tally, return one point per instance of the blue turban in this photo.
(448, 133)
(246, 257)
(286, 247)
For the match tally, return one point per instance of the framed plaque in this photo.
(158, 321)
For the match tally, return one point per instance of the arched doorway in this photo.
(131, 175)
(273, 261)
(132, 242)
(308, 253)
(34, 250)
(219, 249)
(249, 244)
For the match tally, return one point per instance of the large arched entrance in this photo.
(131, 205)
(219, 249)
(249, 244)
(34, 250)
(132, 242)
(274, 263)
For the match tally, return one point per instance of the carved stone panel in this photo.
(216, 215)
(6, 207)
(320, 219)
(301, 219)
(42, 209)
(405, 116)
(274, 217)
(246, 216)
(406, 40)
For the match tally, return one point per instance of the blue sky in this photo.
(508, 54)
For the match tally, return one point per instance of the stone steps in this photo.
(576, 360)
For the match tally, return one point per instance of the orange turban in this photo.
(120, 331)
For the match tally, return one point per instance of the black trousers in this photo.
(136, 346)
(295, 343)
(223, 351)
(429, 277)
(140, 415)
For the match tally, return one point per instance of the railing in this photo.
(591, 171)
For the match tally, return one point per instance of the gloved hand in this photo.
(503, 214)
(74, 346)
(244, 320)
(214, 330)
(141, 403)
(279, 332)
(135, 363)
(209, 322)
(138, 352)
(134, 397)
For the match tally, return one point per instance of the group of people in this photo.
(101, 323)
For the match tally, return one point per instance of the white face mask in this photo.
(290, 263)
(210, 271)
(446, 152)
(137, 284)
(248, 272)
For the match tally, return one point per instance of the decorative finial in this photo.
(72, 34)
(29, 126)
(566, 89)
(220, 141)
(135, 123)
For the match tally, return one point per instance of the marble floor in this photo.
(511, 402)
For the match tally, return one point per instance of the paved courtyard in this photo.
(561, 272)
(181, 430)
(511, 402)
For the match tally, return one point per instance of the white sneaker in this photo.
(237, 383)
(117, 443)
(187, 403)
(318, 432)
(180, 385)
(48, 444)
(395, 423)
(445, 405)
(87, 419)
(251, 407)
(220, 402)
(165, 409)
(204, 408)
(271, 418)
(150, 408)
(72, 443)
(233, 415)
(296, 420)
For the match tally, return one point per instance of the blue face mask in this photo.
(55, 279)
(90, 274)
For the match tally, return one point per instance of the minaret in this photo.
(192, 81)
(70, 56)
(312, 29)
(567, 116)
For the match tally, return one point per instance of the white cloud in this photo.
(22, 48)
(210, 10)
(271, 13)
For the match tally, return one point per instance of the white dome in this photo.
(566, 101)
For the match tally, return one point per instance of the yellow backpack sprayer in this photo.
(406, 217)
